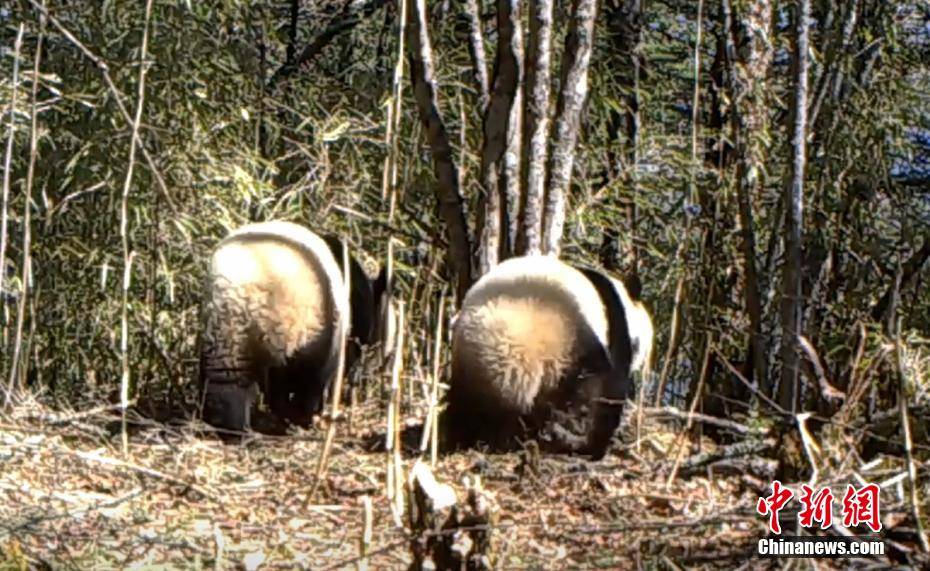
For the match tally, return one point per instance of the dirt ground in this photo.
(181, 498)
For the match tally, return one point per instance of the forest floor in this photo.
(182, 498)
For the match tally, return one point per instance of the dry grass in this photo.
(184, 499)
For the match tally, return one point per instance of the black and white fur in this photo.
(535, 336)
(275, 317)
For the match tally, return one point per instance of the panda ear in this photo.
(379, 285)
(633, 285)
(335, 248)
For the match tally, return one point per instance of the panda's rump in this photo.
(279, 291)
(515, 349)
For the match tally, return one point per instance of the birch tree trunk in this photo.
(501, 135)
(574, 90)
(747, 79)
(451, 205)
(791, 288)
(536, 126)
(476, 49)
(511, 175)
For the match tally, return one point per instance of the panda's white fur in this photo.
(518, 329)
(274, 290)
(640, 329)
(526, 327)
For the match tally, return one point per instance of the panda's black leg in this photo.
(229, 405)
(607, 410)
(278, 393)
(304, 404)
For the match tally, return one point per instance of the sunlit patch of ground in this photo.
(181, 498)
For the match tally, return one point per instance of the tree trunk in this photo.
(512, 179)
(624, 26)
(749, 118)
(499, 130)
(573, 94)
(291, 50)
(476, 48)
(536, 126)
(791, 292)
(451, 205)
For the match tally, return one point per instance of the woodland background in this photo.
(756, 170)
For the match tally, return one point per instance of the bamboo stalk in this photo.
(682, 436)
(428, 438)
(7, 164)
(340, 372)
(365, 539)
(394, 476)
(909, 446)
(26, 278)
(124, 230)
(392, 122)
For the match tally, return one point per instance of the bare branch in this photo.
(909, 270)
(354, 14)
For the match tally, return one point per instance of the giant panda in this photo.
(535, 336)
(275, 317)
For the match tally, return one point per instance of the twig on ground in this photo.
(706, 419)
(122, 464)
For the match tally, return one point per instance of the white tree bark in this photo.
(536, 126)
(572, 97)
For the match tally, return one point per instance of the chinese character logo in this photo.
(816, 508)
(860, 507)
(773, 504)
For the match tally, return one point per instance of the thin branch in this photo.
(909, 446)
(144, 471)
(346, 319)
(355, 14)
(832, 68)
(704, 418)
(909, 270)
